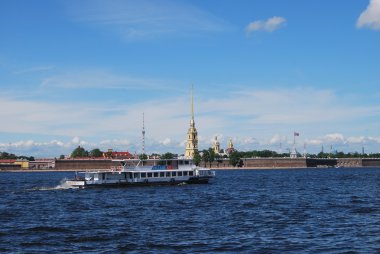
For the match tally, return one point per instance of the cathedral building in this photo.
(230, 147)
(216, 146)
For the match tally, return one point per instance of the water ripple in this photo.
(268, 211)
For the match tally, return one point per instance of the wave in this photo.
(61, 186)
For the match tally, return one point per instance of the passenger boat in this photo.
(154, 172)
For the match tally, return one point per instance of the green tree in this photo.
(79, 152)
(234, 158)
(205, 156)
(96, 153)
(197, 158)
(61, 157)
(167, 156)
(211, 157)
(7, 156)
(143, 156)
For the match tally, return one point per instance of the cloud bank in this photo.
(370, 18)
(253, 118)
(268, 25)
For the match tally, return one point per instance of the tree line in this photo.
(11, 156)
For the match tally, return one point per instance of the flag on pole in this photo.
(296, 134)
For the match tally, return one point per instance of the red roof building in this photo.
(117, 155)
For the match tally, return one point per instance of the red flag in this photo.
(296, 134)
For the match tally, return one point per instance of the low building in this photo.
(42, 164)
(23, 163)
(9, 165)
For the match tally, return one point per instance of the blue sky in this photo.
(83, 72)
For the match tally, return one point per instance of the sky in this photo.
(83, 73)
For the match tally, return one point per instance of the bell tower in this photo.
(192, 134)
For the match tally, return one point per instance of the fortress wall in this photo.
(349, 162)
(274, 163)
(84, 164)
(317, 162)
(371, 162)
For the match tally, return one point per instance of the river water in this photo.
(259, 211)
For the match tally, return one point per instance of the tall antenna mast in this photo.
(143, 135)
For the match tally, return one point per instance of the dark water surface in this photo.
(251, 211)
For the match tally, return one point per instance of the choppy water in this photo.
(259, 211)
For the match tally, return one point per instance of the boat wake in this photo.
(61, 186)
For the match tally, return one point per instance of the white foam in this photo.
(61, 186)
(64, 186)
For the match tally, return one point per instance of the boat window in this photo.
(180, 173)
(125, 175)
(174, 173)
(180, 162)
(162, 174)
(155, 174)
(185, 173)
(143, 174)
(130, 175)
(135, 175)
(167, 174)
(149, 174)
(191, 173)
(187, 162)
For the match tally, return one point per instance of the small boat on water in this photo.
(154, 172)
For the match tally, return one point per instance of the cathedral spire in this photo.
(192, 102)
(192, 134)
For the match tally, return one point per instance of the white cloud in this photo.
(268, 25)
(276, 139)
(356, 140)
(166, 141)
(144, 18)
(370, 18)
(334, 137)
(339, 140)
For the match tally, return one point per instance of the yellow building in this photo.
(22, 163)
(192, 134)
(216, 145)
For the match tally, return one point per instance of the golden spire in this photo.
(192, 102)
(192, 134)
